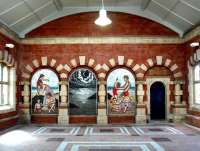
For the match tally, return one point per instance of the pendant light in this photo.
(103, 20)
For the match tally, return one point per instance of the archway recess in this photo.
(82, 93)
(157, 101)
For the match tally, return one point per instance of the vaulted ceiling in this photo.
(22, 16)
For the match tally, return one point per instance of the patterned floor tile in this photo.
(57, 131)
(157, 130)
(101, 138)
(106, 131)
(109, 146)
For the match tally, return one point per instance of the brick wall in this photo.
(83, 25)
(4, 40)
(102, 53)
(193, 117)
(9, 118)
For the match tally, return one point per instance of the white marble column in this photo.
(63, 93)
(63, 117)
(26, 93)
(141, 107)
(140, 93)
(102, 110)
(178, 93)
(102, 93)
(25, 106)
(179, 107)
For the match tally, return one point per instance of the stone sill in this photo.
(179, 105)
(6, 109)
(195, 107)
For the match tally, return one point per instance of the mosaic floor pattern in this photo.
(157, 130)
(109, 146)
(108, 130)
(100, 138)
(57, 131)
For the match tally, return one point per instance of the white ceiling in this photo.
(22, 16)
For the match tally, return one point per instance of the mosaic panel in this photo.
(44, 92)
(121, 92)
(82, 93)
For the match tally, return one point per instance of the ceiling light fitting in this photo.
(103, 19)
(9, 45)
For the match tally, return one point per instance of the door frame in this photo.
(166, 82)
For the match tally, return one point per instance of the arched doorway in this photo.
(157, 101)
(82, 93)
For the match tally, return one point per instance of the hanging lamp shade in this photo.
(103, 19)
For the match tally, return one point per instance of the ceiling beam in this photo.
(190, 5)
(58, 4)
(144, 4)
(172, 12)
(8, 33)
(32, 11)
(75, 10)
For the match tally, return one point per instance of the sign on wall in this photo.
(82, 93)
(121, 92)
(44, 92)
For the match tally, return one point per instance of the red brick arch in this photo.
(7, 58)
(162, 61)
(62, 69)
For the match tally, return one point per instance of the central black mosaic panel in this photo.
(57, 130)
(110, 149)
(155, 130)
(55, 139)
(106, 130)
(161, 139)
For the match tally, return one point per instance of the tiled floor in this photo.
(168, 137)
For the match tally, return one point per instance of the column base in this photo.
(24, 116)
(102, 118)
(179, 112)
(24, 113)
(63, 105)
(141, 117)
(63, 117)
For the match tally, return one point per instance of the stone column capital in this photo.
(179, 82)
(140, 82)
(102, 93)
(63, 82)
(103, 82)
(24, 83)
(140, 93)
(63, 93)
